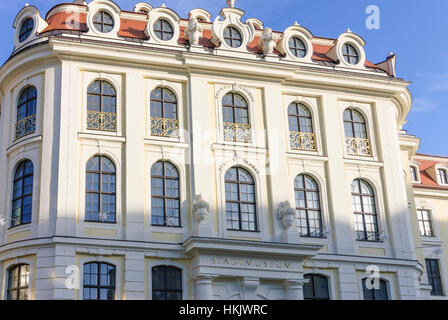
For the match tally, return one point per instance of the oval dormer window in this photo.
(297, 47)
(26, 29)
(233, 37)
(103, 22)
(163, 30)
(350, 54)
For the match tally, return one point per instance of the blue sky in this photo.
(415, 30)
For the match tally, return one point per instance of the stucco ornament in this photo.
(193, 31)
(268, 41)
(200, 208)
(287, 214)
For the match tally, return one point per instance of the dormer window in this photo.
(442, 176)
(414, 174)
(163, 30)
(103, 22)
(233, 37)
(297, 47)
(26, 29)
(350, 54)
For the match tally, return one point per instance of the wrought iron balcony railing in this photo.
(26, 126)
(103, 121)
(302, 141)
(237, 132)
(163, 127)
(358, 146)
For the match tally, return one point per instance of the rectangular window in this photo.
(425, 223)
(434, 278)
(414, 174)
(441, 173)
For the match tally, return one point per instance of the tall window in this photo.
(18, 280)
(380, 293)
(308, 212)
(442, 175)
(98, 281)
(297, 47)
(163, 111)
(103, 22)
(425, 223)
(301, 127)
(434, 277)
(26, 29)
(166, 283)
(165, 198)
(240, 200)
(356, 141)
(26, 112)
(316, 288)
(233, 37)
(364, 209)
(101, 106)
(350, 54)
(414, 174)
(354, 124)
(163, 30)
(22, 199)
(100, 190)
(236, 118)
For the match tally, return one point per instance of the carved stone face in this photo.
(267, 31)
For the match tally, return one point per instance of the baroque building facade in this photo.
(147, 156)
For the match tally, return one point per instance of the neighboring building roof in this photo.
(135, 29)
(426, 162)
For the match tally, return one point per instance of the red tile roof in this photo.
(136, 29)
(426, 181)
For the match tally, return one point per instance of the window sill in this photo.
(23, 140)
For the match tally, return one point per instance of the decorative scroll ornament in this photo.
(358, 146)
(267, 41)
(287, 214)
(232, 17)
(200, 208)
(26, 126)
(103, 121)
(193, 31)
(302, 141)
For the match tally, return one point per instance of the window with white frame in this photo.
(18, 281)
(434, 277)
(99, 281)
(442, 176)
(164, 113)
(236, 118)
(414, 174)
(364, 209)
(425, 223)
(166, 283)
(26, 112)
(22, 199)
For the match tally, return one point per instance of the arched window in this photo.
(308, 210)
(240, 200)
(26, 29)
(99, 281)
(235, 118)
(165, 198)
(101, 106)
(372, 293)
(163, 30)
(356, 140)
(364, 209)
(233, 37)
(354, 124)
(301, 127)
(22, 199)
(166, 283)
(316, 288)
(100, 190)
(350, 54)
(26, 112)
(18, 280)
(103, 22)
(164, 116)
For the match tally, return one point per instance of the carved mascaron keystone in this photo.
(287, 214)
(200, 208)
